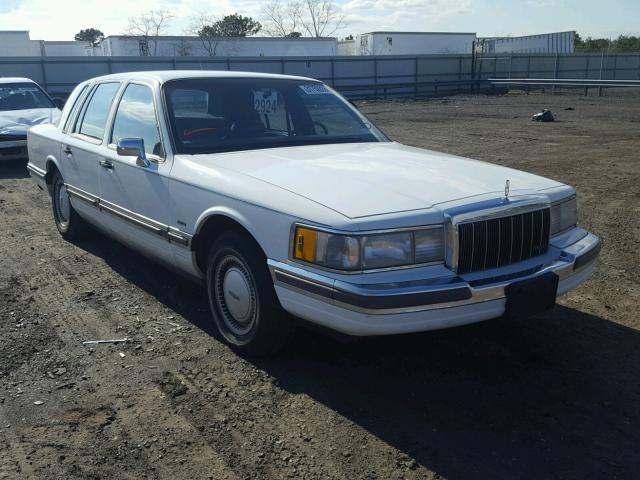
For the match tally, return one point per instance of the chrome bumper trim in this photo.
(428, 294)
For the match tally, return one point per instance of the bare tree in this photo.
(281, 19)
(321, 18)
(202, 27)
(149, 26)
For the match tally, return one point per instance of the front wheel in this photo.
(242, 298)
(68, 222)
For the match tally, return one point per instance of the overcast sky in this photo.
(61, 19)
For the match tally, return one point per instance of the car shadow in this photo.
(10, 169)
(553, 396)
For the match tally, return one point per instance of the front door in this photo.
(135, 197)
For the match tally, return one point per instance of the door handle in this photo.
(106, 164)
(67, 150)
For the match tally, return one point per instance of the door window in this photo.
(94, 118)
(136, 118)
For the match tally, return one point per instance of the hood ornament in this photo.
(506, 190)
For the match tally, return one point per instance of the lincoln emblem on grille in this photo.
(506, 189)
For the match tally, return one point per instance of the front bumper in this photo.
(419, 305)
(13, 150)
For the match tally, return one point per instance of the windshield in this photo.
(209, 115)
(23, 96)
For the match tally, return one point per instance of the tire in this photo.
(70, 225)
(242, 299)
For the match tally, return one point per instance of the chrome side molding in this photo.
(171, 234)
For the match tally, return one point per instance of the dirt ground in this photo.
(554, 396)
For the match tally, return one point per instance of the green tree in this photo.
(624, 43)
(236, 26)
(91, 35)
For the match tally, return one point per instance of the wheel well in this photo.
(213, 227)
(48, 177)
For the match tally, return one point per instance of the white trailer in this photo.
(413, 43)
(557, 42)
(118, 45)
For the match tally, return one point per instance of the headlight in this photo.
(371, 251)
(387, 250)
(564, 215)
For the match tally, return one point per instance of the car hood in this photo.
(365, 179)
(17, 122)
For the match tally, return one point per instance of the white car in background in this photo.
(282, 197)
(22, 104)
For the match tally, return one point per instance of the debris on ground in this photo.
(97, 342)
(543, 116)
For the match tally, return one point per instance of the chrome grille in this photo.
(501, 241)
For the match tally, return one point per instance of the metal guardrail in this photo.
(574, 82)
(409, 87)
(600, 84)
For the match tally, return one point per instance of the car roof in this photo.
(15, 80)
(162, 76)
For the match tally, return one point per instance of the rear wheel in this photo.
(70, 225)
(242, 298)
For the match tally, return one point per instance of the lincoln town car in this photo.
(288, 203)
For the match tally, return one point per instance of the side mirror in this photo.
(133, 147)
(59, 102)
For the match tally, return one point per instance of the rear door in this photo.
(137, 196)
(83, 149)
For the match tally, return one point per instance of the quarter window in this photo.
(96, 112)
(136, 118)
(74, 108)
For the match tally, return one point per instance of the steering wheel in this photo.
(322, 126)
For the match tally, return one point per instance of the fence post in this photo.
(586, 67)
(333, 72)
(43, 68)
(555, 74)
(615, 66)
(109, 66)
(528, 67)
(459, 73)
(416, 76)
(375, 75)
(282, 65)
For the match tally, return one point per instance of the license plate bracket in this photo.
(531, 296)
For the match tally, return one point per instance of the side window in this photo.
(136, 118)
(74, 108)
(94, 118)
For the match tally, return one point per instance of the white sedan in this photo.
(282, 198)
(22, 104)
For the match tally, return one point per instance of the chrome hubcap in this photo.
(62, 204)
(235, 295)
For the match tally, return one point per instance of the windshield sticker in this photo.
(265, 101)
(315, 89)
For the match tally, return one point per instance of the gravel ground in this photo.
(554, 396)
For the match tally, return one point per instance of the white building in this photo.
(15, 43)
(558, 42)
(120, 45)
(346, 47)
(18, 44)
(413, 43)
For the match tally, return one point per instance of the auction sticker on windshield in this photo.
(265, 101)
(315, 89)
